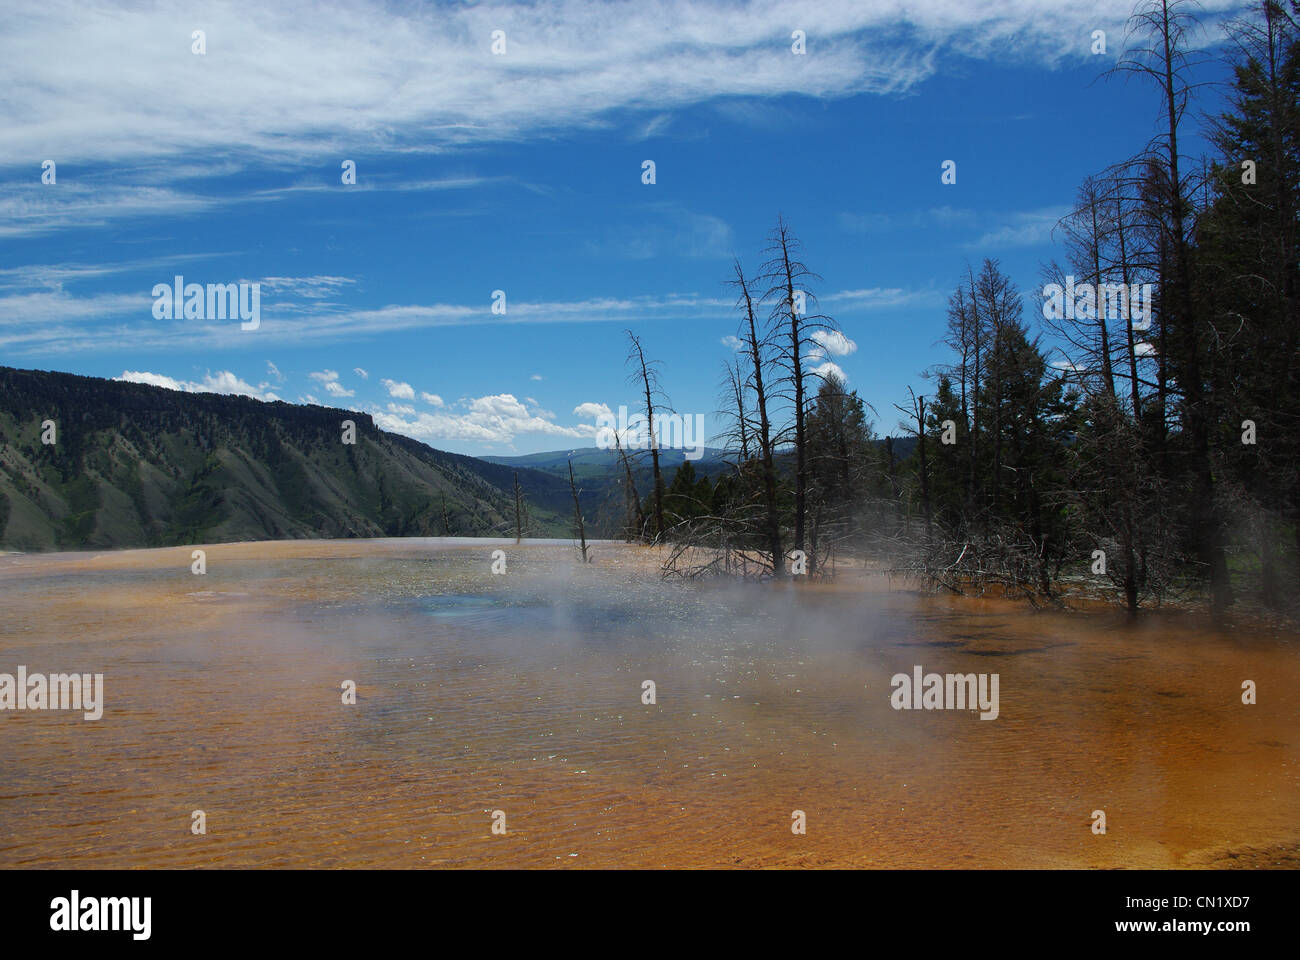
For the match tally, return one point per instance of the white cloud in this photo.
(494, 419)
(834, 343)
(312, 288)
(274, 371)
(656, 125)
(30, 208)
(402, 77)
(735, 343)
(1029, 228)
(432, 399)
(223, 381)
(52, 276)
(402, 391)
(59, 307)
(536, 376)
(829, 368)
(361, 373)
(329, 379)
(73, 324)
(589, 410)
(875, 298)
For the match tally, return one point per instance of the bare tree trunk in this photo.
(1107, 374)
(978, 330)
(1125, 278)
(754, 347)
(917, 413)
(577, 513)
(634, 511)
(796, 361)
(654, 437)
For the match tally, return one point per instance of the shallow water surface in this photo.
(522, 693)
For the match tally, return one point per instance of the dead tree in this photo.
(646, 374)
(634, 521)
(577, 512)
(754, 346)
(790, 320)
(917, 413)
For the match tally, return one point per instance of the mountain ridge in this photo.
(136, 465)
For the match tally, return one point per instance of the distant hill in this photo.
(135, 465)
(595, 463)
(600, 475)
(599, 468)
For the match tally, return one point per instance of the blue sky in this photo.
(521, 172)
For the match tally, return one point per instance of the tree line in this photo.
(1134, 426)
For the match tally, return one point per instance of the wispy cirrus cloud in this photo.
(1027, 228)
(53, 276)
(103, 81)
(28, 208)
(314, 288)
(76, 324)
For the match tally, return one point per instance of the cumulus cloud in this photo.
(329, 379)
(832, 342)
(590, 411)
(493, 419)
(223, 381)
(361, 373)
(829, 369)
(395, 388)
(432, 399)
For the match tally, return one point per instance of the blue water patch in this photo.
(534, 615)
(461, 605)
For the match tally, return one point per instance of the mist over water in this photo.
(522, 693)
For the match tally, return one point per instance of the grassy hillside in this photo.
(135, 465)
